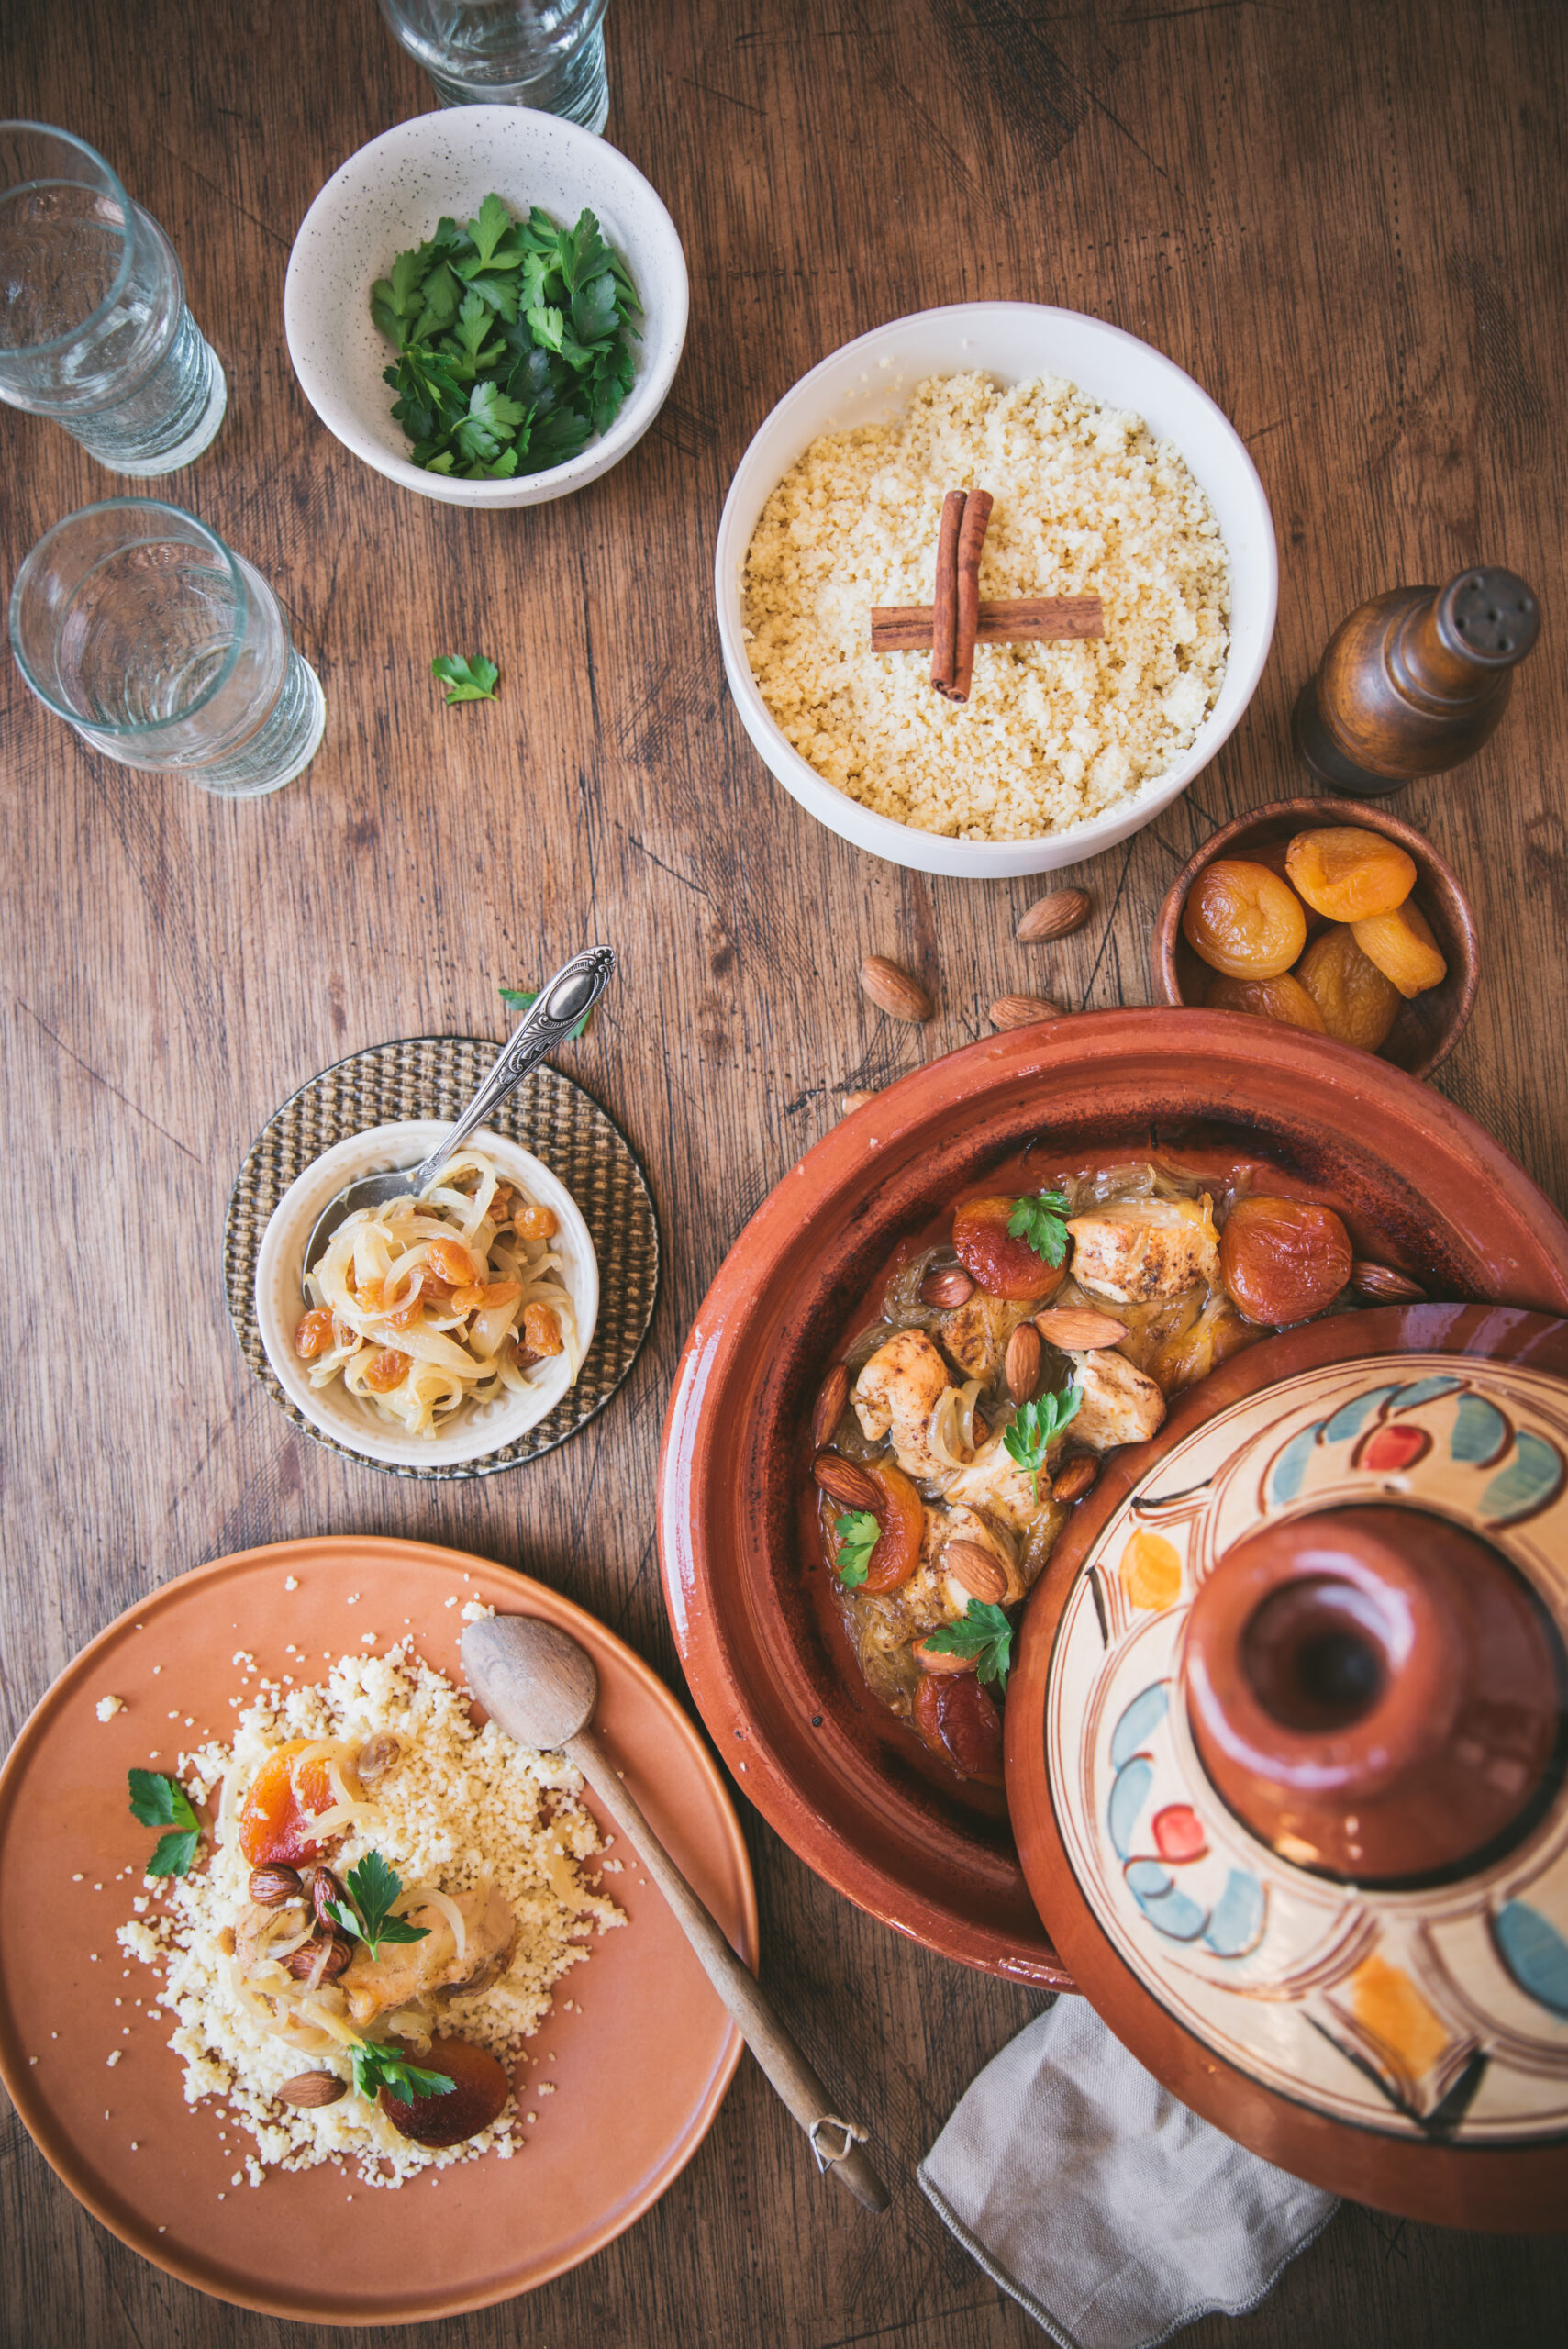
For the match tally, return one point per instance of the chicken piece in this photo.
(404, 1971)
(1120, 1405)
(994, 1483)
(896, 1393)
(976, 1335)
(1133, 1250)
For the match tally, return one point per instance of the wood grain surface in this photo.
(1349, 224)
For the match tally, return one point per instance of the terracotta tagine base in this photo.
(1286, 1758)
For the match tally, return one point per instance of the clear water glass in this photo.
(549, 54)
(164, 649)
(93, 328)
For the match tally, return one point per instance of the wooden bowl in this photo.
(1420, 1186)
(1429, 1025)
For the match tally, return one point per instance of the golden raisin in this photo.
(1357, 1005)
(1284, 999)
(384, 1371)
(450, 1261)
(541, 1331)
(1347, 873)
(485, 1294)
(314, 1335)
(1282, 1260)
(536, 1223)
(1402, 945)
(1243, 920)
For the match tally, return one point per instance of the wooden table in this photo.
(1348, 223)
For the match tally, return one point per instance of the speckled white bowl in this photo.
(867, 383)
(474, 1430)
(390, 196)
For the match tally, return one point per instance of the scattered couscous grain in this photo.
(1087, 502)
(108, 1707)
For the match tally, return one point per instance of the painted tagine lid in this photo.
(1302, 1828)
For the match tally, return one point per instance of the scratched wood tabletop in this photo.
(1349, 224)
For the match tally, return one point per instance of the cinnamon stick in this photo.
(971, 539)
(1026, 620)
(944, 603)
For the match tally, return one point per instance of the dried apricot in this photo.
(958, 1719)
(1282, 1260)
(1357, 1004)
(1284, 999)
(274, 1821)
(1273, 854)
(901, 1514)
(1002, 1263)
(480, 2086)
(1402, 945)
(1347, 873)
(1243, 920)
(314, 1335)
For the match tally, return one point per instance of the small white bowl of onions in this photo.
(462, 1371)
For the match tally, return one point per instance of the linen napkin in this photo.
(1110, 2211)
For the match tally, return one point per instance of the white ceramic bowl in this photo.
(474, 1430)
(867, 383)
(390, 196)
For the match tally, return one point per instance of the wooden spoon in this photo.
(542, 1687)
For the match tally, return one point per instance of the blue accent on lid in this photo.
(1138, 1722)
(1480, 1432)
(1535, 1953)
(1236, 1921)
(1532, 1477)
(1351, 1417)
(1174, 1913)
(1289, 1472)
(1425, 1390)
(1126, 1800)
(1147, 1880)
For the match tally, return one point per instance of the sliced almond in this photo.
(1076, 1329)
(1075, 1479)
(979, 1573)
(829, 1409)
(1025, 1359)
(1054, 917)
(893, 990)
(1382, 1280)
(935, 1660)
(844, 1483)
(1021, 1011)
(947, 1288)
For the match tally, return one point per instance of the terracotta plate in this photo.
(638, 2073)
(841, 1781)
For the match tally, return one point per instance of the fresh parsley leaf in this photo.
(521, 998)
(377, 2066)
(499, 292)
(492, 418)
(593, 309)
(1028, 1438)
(466, 677)
(547, 326)
(1042, 1219)
(373, 1887)
(857, 1534)
(442, 291)
(492, 223)
(982, 1632)
(158, 1800)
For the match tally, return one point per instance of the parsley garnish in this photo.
(1033, 1427)
(982, 1632)
(514, 341)
(857, 1535)
(367, 1913)
(466, 677)
(523, 998)
(158, 1800)
(1041, 1218)
(376, 2067)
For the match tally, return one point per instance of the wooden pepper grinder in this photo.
(1414, 682)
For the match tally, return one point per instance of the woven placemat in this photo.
(433, 1076)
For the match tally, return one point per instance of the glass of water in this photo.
(93, 328)
(163, 648)
(549, 54)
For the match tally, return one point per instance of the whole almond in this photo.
(1078, 1330)
(934, 1660)
(301, 1962)
(893, 990)
(1055, 917)
(947, 1288)
(844, 1483)
(977, 1570)
(1021, 1010)
(270, 1885)
(829, 1409)
(853, 1101)
(1381, 1280)
(1075, 1479)
(312, 2090)
(325, 1889)
(1025, 1359)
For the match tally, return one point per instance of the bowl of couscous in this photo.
(1113, 474)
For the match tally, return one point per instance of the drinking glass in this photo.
(93, 328)
(161, 646)
(549, 54)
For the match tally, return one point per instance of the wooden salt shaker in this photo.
(1414, 682)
